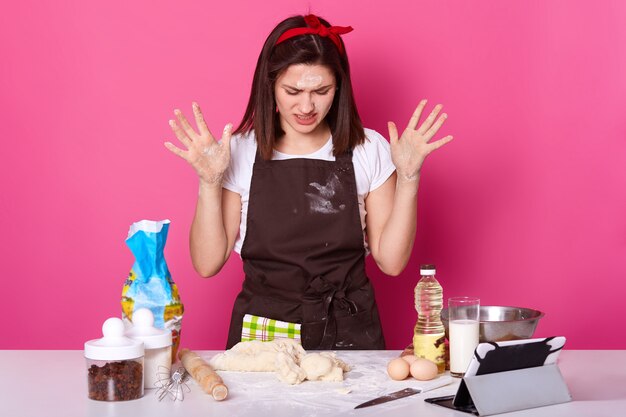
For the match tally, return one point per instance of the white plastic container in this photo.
(158, 347)
(114, 364)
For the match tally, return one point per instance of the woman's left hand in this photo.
(409, 152)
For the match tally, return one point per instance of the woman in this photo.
(303, 192)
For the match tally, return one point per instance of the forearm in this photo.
(208, 241)
(398, 235)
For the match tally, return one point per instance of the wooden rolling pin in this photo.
(204, 375)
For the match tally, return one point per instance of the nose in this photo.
(307, 105)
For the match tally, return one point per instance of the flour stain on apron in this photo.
(321, 200)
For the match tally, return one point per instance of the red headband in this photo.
(315, 27)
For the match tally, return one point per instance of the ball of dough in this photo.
(316, 366)
(423, 370)
(398, 369)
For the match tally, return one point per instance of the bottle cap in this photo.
(113, 345)
(427, 269)
(143, 329)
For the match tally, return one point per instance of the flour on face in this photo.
(320, 201)
(309, 79)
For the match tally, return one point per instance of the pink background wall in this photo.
(525, 207)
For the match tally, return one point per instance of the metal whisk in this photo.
(173, 386)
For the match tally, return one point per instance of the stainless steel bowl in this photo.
(498, 323)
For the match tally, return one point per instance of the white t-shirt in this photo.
(371, 160)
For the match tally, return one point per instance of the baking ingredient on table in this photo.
(463, 332)
(316, 366)
(115, 381)
(407, 351)
(409, 358)
(398, 369)
(423, 370)
(323, 366)
(367, 379)
(429, 333)
(157, 344)
(114, 364)
(149, 283)
(156, 362)
(205, 376)
(286, 357)
(463, 340)
(409, 355)
(256, 356)
(288, 370)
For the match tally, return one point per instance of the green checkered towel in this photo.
(264, 329)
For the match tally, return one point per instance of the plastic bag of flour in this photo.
(149, 283)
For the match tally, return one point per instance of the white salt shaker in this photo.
(158, 346)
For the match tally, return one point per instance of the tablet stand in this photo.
(516, 390)
(510, 376)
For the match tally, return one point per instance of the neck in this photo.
(295, 143)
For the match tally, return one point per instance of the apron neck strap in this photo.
(346, 156)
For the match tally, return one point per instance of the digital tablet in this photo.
(505, 356)
(514, 354)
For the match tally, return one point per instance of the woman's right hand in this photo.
(207, 156)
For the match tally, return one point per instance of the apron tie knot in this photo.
(333, 297)
(344, 303)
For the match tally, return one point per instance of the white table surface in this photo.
(54, 383)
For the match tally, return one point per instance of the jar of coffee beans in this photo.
(114, 364)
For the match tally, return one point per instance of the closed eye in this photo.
(294, 92)
(323, 91)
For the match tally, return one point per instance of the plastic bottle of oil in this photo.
(429, 334)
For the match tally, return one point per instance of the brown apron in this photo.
(303, 255)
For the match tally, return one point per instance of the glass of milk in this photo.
(463, 316)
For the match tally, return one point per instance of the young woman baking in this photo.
(303, 192)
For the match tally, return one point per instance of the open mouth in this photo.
(305, 119)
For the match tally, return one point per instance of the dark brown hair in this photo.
(342, 118)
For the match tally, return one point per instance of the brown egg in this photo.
(398, 369)
(423, 369)
(409, 359)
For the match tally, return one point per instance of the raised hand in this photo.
(411, 149)
(207, 156)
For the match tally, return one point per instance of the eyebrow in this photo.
(329, 86)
